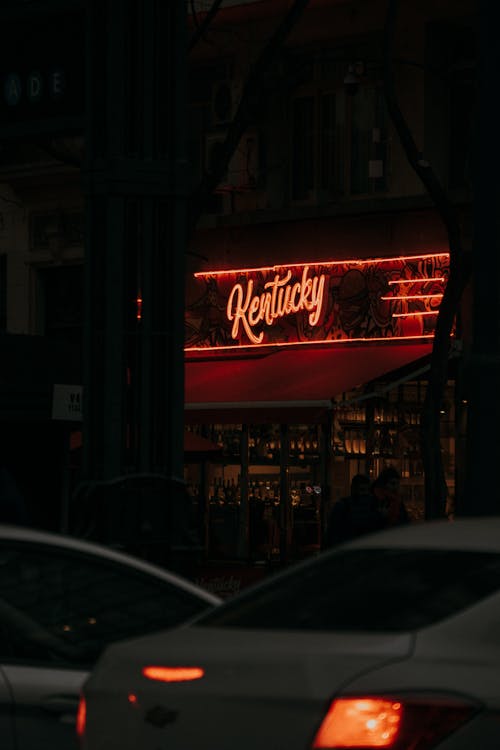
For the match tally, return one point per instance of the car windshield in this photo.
(371, 590)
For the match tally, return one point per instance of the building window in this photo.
(461, 128)
(62, 292)
(211, 108)
(338, 141)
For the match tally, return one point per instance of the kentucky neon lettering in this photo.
(280, 298)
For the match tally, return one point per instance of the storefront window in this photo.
(260, 499)
(370, 432)
(265, 496)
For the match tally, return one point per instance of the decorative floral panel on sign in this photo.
(321, 303)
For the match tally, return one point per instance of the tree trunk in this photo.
(460, 271)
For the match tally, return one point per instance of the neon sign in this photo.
(278, 299)
(327, 302)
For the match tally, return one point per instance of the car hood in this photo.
(255, 683)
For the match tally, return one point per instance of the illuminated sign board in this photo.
(317, 303)
(42, 70)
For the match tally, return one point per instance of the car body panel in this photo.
(271, 688)
(41, 673)
(471, 533)
(281, 678)
(6, 715)
(46, 703)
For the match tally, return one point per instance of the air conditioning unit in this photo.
(243, 169)
(225, 99)
(223, 103)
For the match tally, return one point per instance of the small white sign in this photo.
(67, 402)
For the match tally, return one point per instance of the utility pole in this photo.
(135, 188)
(483, 369)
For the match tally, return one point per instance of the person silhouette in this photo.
(386, 490)
(355, 514)
(12, 505)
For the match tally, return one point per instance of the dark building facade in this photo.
(283, 405)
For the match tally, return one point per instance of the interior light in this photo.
(173, 674)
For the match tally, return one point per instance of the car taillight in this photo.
(81, 717)
(396, 722)
(173, 674)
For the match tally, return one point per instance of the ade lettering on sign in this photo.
(42, 69)
(33, 87)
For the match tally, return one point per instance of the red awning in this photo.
(303, 378)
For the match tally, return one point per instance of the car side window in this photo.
(373, 590)
(64, 607)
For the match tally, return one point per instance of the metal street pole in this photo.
(135, 186)
(481, 497)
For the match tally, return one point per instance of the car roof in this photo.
(477, 533)
(54, 539)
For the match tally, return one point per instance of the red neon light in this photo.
(316, 342)
(252, 305)
(279, 299)
(138, 314)
(367, 261)
(414, 296)
(415, 314)
(417, 281)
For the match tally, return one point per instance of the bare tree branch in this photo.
(247, 111)
(203, 26)
(460, 273)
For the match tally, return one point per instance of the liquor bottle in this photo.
(221, 495)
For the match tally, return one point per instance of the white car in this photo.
(62, 601)
(389, 641)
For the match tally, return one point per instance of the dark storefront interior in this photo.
(261, 492)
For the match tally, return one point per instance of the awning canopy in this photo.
(199, 446)
(305, 379)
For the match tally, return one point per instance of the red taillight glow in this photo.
(360, 722)
(81, 717)
(173, 674)
(364, 722)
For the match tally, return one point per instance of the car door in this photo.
(6, 715)
(45, 706)
(59, 608)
